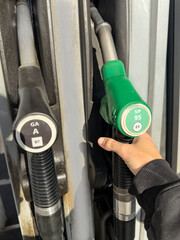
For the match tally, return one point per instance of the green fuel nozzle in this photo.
(122, 107)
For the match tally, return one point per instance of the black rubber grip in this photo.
(124, 230)
(32, 93)
(43, 179)
(122, 176)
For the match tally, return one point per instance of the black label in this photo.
(36, 134)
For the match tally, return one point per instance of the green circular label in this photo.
(136, 120)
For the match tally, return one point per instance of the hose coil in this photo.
(43, 179)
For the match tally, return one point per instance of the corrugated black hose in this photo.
(123, 202)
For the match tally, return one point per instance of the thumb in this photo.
(110, 144)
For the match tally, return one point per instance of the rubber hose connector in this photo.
(43, 179)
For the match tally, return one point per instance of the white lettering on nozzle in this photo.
(35, 131)
(34, 124)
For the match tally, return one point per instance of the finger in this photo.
(146, 144)
(142, 139)
(110, 144)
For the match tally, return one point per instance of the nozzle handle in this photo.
(35, 129)
(121, 106)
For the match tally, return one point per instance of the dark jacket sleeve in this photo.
(157, 189)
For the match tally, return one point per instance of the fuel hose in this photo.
(123, 202)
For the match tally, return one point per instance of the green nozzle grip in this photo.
(122, 107)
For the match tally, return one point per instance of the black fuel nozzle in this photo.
(35, 129)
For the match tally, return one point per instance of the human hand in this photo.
(136, 155)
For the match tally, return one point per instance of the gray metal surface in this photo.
(124, 211)
(77, 202)
(48, 211)
(103, 32)
(8, 46)
(157, 66)
(147, 63)
(26, 43)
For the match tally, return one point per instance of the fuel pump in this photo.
(35, 131)
(130, 116)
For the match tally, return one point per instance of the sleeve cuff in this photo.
(155, 173)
